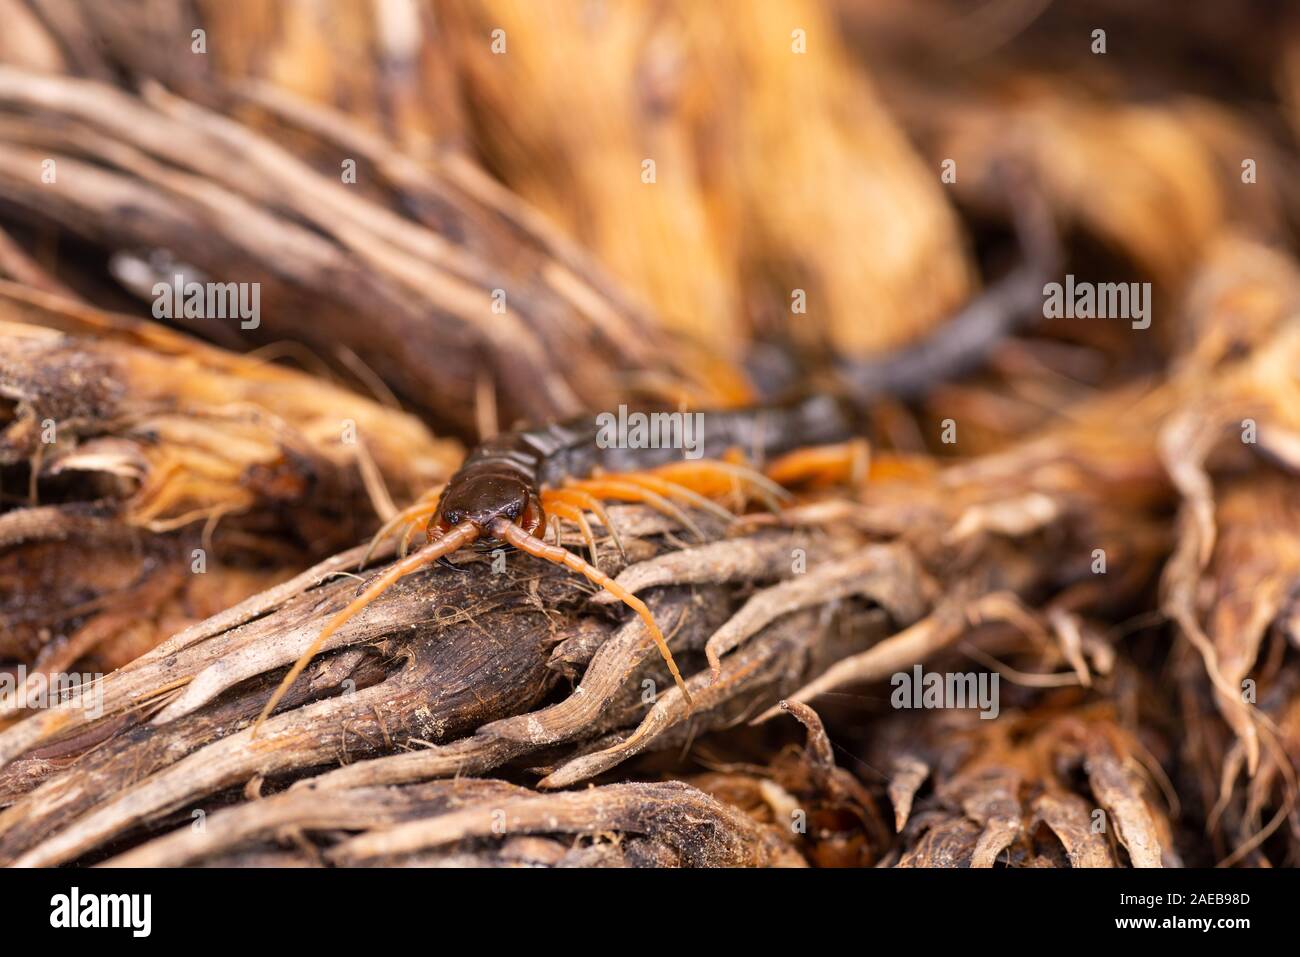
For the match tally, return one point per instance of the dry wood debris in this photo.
(1113, 534)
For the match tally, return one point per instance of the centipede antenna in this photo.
(516, 536)
(455, 539)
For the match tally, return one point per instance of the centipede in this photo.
(514, 489)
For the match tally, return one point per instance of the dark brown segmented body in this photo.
(503, 477)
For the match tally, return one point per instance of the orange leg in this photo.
(572, 514)
(847, 462)
(521, 540)
(736, 457)
(671, 490)
(411, 531)
(627, 492)
(425, 506)
(458, 537)
(587, 502)
(716, 478)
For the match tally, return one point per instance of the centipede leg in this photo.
(672, 490)
(738, 495)
(409, 535)
(588, 502)
(570, 513)
(627, 492)
(521, 540)
(847, 462)
(716, 477)
(455, 539)
(425, 506)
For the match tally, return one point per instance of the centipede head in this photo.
(486, 499)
